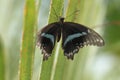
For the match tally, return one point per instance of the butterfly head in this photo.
(61, 19)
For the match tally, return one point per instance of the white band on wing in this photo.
(49, 36)
(73, 36)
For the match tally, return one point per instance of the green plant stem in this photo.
(2, 61)
(28, 41)
(49, 66)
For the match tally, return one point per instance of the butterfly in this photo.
(74, 36)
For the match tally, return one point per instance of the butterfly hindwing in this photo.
(46, 39)
(76, 36)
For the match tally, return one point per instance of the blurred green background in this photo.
(98, 64)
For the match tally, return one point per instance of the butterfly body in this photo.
(74, 36)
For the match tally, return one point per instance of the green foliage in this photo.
(49, 66)
(113, 40)
(86, 64)
(2, 60)
(28, 41)
(59, 68)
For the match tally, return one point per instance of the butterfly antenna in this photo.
(117, 23)
(75, 12)
(55, 13)
(63, 14)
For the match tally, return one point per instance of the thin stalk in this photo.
(49, 66)
(28, 41)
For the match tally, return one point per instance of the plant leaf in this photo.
(49, 66)
(28, 41)
(2, 61)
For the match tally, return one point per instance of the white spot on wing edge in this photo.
(51, 37)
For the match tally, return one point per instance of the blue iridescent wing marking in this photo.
(46, 39)
(76, 36)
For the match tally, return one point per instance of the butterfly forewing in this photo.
(76, 36)
(46, 39)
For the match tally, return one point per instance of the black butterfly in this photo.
(74, 36)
